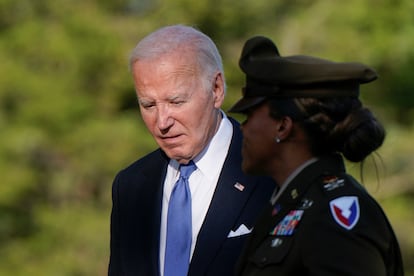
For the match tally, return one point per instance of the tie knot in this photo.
(187, 170)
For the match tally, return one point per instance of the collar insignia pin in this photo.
(294, 193)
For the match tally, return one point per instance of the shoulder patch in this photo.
(345, 211)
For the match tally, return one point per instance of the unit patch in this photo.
(288, 224)
(345, 211)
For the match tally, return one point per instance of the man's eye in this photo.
(147, 105)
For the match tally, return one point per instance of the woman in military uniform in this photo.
(303, 118)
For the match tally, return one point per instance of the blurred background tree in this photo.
(69, 119)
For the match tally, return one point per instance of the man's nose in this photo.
(164, 118)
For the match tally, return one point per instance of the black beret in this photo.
(269, 75)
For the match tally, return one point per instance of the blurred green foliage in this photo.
(69, 119)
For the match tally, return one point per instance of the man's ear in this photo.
(218, 90)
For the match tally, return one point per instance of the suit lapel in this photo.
(224, 210)
(144, 223)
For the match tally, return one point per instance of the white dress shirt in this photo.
(203, 183)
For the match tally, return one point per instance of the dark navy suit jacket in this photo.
(136, 216)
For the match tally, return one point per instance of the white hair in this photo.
(168, 39)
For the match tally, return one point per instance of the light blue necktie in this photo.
(179, 226)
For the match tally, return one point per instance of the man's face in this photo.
(180, 113)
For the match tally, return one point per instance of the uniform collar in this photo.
(299, 183)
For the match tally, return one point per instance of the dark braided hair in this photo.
(340, 124)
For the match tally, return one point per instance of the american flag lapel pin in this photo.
(239, 186)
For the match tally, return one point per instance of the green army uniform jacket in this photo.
(324, 223)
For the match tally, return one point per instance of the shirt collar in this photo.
(217, 149)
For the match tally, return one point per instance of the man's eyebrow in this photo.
(176, 97)
(144, 101)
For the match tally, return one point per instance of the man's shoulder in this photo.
(142, 177)
(152, 160)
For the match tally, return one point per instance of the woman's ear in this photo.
(284, 128)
